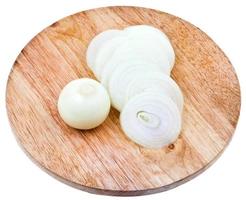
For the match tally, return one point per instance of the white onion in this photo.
(134, 65)
(83, 103)
(130, 55)
(155, 35)
(151, 120)
(105, 53)
(123, 76)
(96, 44)
(138, 50)
(155, 82)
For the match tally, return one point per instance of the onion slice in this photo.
(97, 42)
(140, 49)
(155, 35)
(105, 53)
(151, 120)
(155, 82)
(134, 51)
(123, 76)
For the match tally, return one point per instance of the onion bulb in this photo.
(151, 120)
(83, 103)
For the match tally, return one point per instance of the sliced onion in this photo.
(155, 35)
(142, 49)
(123, 76)
(151, 120)
(105, 53)
(155, 82)
(114, 63)
(96, 44)
(131, 51)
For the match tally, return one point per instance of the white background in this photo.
(224, 21)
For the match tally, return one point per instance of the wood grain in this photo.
(104, 160)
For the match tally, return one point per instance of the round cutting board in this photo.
(103, 160)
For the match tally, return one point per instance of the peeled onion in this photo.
(151, 120)
(83, 103)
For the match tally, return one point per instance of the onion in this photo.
(116, 62)
(151, 120)
(155, 35)
(155, 82)
(134, 65)
(96, 44)
(122, 78)
(83, 103)
(105, 53)
(135, 51)
(139, 50)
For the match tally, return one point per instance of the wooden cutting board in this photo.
(104, 160)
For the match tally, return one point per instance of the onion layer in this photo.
(140, 49)
(151, 120)
(155, 82)
(123, 76)
(105, 53)
(154, 34)
(96, 44)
